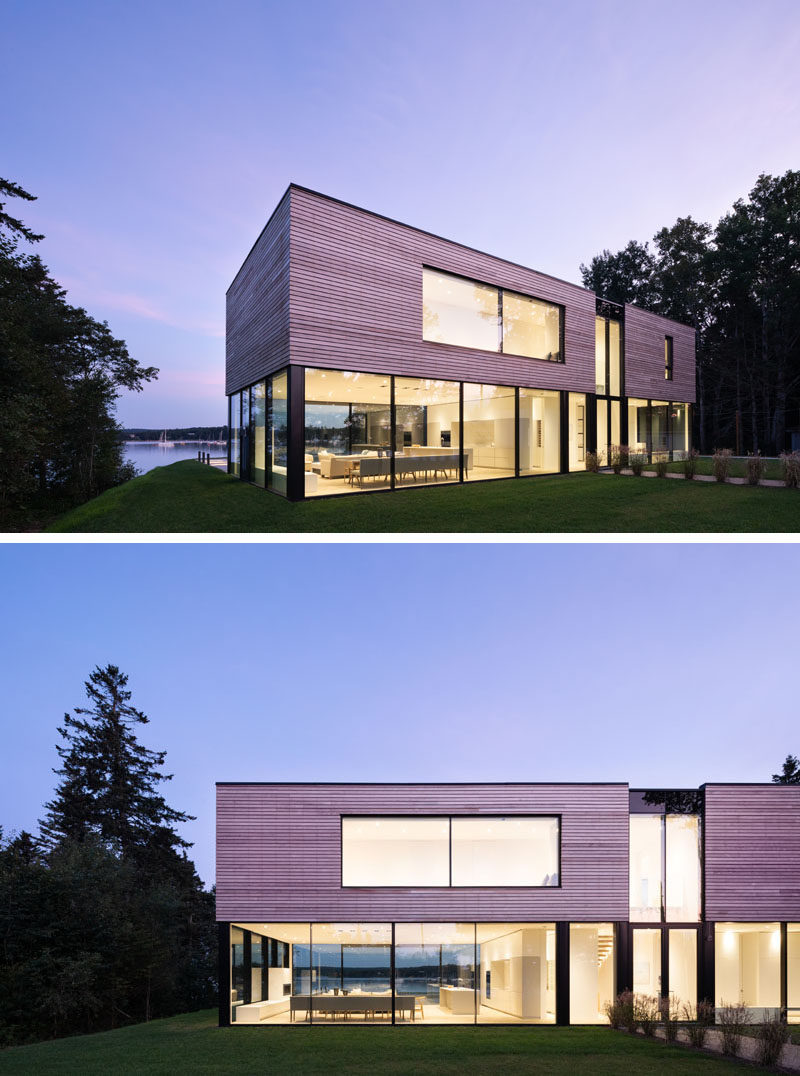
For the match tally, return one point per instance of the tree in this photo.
(625, 277)
(790, 773)
(103, 920)
(738, 284)
(109, 780)
(61, 372)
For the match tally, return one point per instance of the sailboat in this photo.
(163, 442)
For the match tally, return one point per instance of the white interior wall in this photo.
(518, 966)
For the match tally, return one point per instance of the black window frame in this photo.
(553, 815)
(560, 361)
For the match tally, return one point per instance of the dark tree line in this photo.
(103, 918)
(738, 284)
(60, 375)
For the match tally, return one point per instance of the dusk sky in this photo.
(660, 665)
(159, 137)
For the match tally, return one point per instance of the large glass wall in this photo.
(747, 965)
(614, 357)
(351, 972)
(395, 851)
(683, 967)
(480, 850)
(460, 312)
(427, 432)
(258, 420)
(514, 851)
(347, 431)
(591, 971)
(277, 432)
(234, 422)
(646, 881)
(602, 430)
(245, 439)
(531, 328)
(516, 973)
(683, 868)
(444, 431)
(539, 432)
(638, 426)
(793, 972)
(435, 978)
(679, 429)
(647, 962)
(467, 313)
(577, 431)
(659, 429)
(489, 432)
(270, 972)
(601, 387)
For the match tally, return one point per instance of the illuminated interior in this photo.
(591, 971)
(444, 973)
(747, 965)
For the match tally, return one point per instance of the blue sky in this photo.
(656, 664)
(159, 137)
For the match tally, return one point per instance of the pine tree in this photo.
(109, 781)
(790, 774)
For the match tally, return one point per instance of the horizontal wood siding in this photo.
(279, 853)
(644, 357)
(752, 853)
(356, 301)
(257, 307)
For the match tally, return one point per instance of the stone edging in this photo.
(789, 1060)
(772, 483)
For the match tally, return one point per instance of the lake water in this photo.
(145, 455)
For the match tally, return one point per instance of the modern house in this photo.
(363, 354)
(503, 903)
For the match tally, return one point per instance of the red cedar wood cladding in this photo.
(279, 853)
(356, 301)
(644, 357)
(330, 285)
(257, 307)
(752, 853)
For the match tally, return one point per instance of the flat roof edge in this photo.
(421, 784)
(444, 239)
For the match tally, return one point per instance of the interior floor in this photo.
(431, 1014)
(325, 487)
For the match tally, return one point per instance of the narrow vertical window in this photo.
(667, 358)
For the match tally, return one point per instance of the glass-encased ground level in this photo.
(307, 432)
(412, 974)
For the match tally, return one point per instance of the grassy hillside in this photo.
(193, 1044)
(188, 496)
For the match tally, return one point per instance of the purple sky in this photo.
(662, 665)
(159, 137)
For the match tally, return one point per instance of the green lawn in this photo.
(193, 1044)
(738, 467)
(189, 496)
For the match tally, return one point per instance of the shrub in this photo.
(593, 462)
(690, 463)
(620, 1011)
(732, 1020)
(618, 457)
(637, 462)
(771, 1037)
(697, 1022)
(661, 466)
(669, 1018)
(756, 467)
(721, 462)
(645, 1009)
(790, 465)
